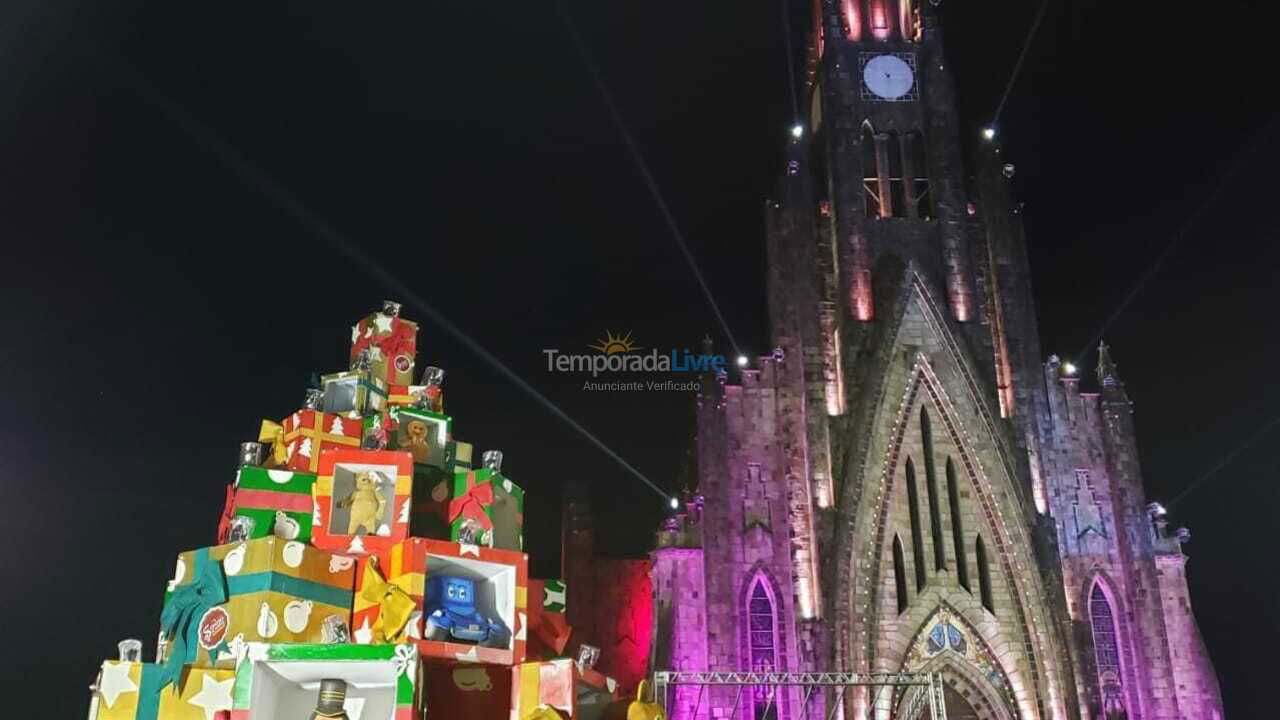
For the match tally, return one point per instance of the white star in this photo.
(364, 634)
(115, 682)
(214, 695)
(383, 322)
(355, 334)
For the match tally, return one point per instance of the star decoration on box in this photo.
(355, 334)
(364, 634)
(214, 695)
(383, 322)
(115, 682)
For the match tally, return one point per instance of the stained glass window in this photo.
(1107, 653)
(945, 634)
(760, 616)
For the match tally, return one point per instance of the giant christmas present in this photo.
(549, 683)
(362, 500)
(465, 690)
(266, 589)
(427, 396)
(549, 630)
(432, 491)
(358, 391)
(422, 433)
(141, 691)
(459, 602)
(271, 497)
(297, 443)
(372, 682)
(390, 342)
(487, 508)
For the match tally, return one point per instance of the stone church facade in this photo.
(905, 483)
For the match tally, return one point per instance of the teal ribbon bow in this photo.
(180, 619)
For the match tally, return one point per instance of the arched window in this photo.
(851, 19)
(870, 171)
(909, 20)
(984, 575)
(1106, 649)
(880, 18)
(931, 485)
(897, 184)
(917, 536)
(763, 646)
(899, 574)
(919, 200)
(957, 528)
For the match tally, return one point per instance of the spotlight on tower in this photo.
(675, 503)
(743, 360)
(988, 133)
(797, 131)
(1069, 368)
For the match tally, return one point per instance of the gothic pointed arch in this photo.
(1112, 681)
(763, 640)
(947, 642)
(919, 360)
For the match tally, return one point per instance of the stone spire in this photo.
(1108, 375)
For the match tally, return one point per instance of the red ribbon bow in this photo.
(228, 512)
(471, 503)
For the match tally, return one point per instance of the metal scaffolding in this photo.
(913, 692)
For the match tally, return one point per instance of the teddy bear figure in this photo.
(367, 504)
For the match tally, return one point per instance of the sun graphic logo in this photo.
(613, 344)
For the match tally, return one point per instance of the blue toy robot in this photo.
(450, 607)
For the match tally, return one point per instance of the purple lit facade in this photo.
(906, 483)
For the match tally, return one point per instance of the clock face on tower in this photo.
(889, 76)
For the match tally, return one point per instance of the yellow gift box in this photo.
(277, 590)
(131, 691)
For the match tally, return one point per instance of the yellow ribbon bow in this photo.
(395, 605)
(273, 433)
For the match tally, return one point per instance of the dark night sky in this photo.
(157, 305)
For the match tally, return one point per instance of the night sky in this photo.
(161, 297)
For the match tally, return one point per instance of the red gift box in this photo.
(393, 343)
(354, 485)
(465, 690)
(305, 435)
(502, 579)
(548, 631)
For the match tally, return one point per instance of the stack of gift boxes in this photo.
(366, 568)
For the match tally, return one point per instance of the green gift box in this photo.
(276, 681)
(261, 493)
(423, 433)
(353, 391)
(486, 509)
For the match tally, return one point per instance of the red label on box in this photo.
(213, 628)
